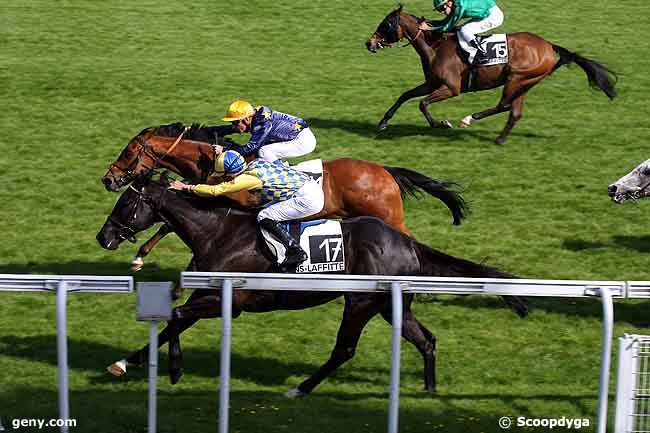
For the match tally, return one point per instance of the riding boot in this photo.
(295, 254)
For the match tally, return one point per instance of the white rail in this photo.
(225, 281)
(62, 284)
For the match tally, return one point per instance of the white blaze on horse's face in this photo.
(633, 185)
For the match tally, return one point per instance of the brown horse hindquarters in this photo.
(363, 188)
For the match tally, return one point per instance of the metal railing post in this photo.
(153, 377)
(224, 377)
(605, 358)
(393, 406)
(62, 352)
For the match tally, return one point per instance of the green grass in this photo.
(79, 79)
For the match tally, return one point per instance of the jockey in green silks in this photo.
(483, 15)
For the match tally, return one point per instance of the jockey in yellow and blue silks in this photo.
(483, 15)
(288, 194)
(274, 135)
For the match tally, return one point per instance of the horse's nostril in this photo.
(612, 189)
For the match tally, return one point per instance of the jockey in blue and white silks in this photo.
(274, 135)
(287, 193)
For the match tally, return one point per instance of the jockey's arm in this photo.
(451, 20)
(243, 182)
(258, 139)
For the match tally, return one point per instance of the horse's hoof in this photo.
(117, 368)
(295, 393)
(382, 125)
(466, 122)
(137, 264)
(500, 140)
(175, 375)
(445, 124)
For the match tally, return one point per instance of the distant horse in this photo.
(633, 185)
(352, 187)
(226, 241)
(531, 59)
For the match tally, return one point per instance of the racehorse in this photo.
(352, 187)
(633, 185)
(222, 240)
(447, 74)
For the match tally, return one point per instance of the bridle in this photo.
(128, 174)
(393, 24)
(125, 231)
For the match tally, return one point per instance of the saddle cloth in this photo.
(322, 240)
(313, 168)
(496, 48)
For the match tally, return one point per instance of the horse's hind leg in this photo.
(419, 336)
(420, 90)
(515, 114)
(354, 320)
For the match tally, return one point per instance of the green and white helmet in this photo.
(437, 4)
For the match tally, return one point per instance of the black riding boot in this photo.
(295, 254)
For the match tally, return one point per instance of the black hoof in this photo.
(445, 124)
(430, 389)
(175, 375)
(382, 125)
(500, 140)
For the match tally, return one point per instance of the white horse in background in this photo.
(633, 185)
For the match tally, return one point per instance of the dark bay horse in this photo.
(352, 187)
(225, 241)
(531, 59)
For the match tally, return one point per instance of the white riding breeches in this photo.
(307, 201)
(470, 29)
(303, 144)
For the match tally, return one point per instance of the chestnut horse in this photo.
(227, 241)
(447, 74)
(352, 187)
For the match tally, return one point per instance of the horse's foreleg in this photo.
(146, 248)
(441, 93)
(420, 90)
(415, 333)
(354, 320)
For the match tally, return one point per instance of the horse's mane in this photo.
(197, 132)
(215, 205)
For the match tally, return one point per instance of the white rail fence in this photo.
(62, 285)
(154, 305)
(633, 385)
(606, 290)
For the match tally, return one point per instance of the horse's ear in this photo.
(400, 6)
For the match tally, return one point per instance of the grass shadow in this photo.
(369, 130)
(151, 271)
(639, 244)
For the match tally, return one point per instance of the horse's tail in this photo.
(438, 264)
(411, 182)
(599, 75)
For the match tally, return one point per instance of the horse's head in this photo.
(633, 185)
(388, 32)
(136, 210)
(136, 160)
(398, 25)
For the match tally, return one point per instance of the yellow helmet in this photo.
(239, 110)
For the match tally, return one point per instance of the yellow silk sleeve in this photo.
(243, 182)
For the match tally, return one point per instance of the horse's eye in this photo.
(645, 170)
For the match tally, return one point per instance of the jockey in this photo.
(484, 15)
(288, 194)
(274, 135)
